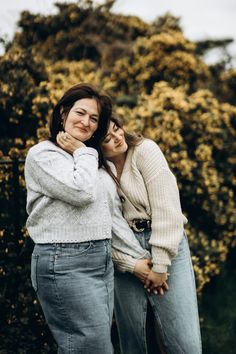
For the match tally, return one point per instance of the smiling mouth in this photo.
(82, 130)
(121, 143)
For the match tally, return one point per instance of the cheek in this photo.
(107, 150)
(68, 122)
(94, 128)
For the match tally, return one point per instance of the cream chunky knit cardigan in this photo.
(149, 191)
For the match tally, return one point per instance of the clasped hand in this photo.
(68, 143)
(153, 281)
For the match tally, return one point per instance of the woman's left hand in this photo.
(68, 143)
(142, 269)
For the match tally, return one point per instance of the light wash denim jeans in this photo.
(176, 313)
(74, 284)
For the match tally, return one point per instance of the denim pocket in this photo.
(34, 265)
(73, 249)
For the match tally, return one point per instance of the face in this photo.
(82, 119)
(114, 143)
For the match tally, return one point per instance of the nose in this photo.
(85, 120)
(117, 136)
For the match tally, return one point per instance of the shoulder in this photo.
(146, 148)
(43, 148)
(149, 156)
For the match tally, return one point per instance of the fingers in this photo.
(165, 286)
(62, 138)
(147, 285)
(160, 289)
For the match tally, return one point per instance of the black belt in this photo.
(139, 225)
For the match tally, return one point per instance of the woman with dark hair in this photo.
(151, 205)
(73, 210)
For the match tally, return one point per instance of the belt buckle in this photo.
(135, 228)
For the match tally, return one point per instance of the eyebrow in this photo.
(84, 110)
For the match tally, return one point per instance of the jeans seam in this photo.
(62, 308)
(35, 282)
(144, 328)
(162, 331)
(106, 268)
(196, 303)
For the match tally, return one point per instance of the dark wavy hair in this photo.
(66, 102)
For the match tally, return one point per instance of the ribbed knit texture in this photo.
(124, 262)
(70, 200)
(150, 191)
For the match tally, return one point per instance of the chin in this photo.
(125, 147)
(82, 138)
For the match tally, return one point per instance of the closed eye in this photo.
(80, 113)
(94, 119)
(108, 138)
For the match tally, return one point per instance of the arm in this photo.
(167, 219)
(123, 238)
(163, 194)
(141, 268)
(56, 174)
(123, 262)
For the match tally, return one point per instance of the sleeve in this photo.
(123, 238)
(167, 218)
(73, 180)
(123, 262)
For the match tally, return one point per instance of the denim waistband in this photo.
(72, 244)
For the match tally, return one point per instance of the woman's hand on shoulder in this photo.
(68, 142)
(142, 269)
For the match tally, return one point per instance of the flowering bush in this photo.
(160, 87)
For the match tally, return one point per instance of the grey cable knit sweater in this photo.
(70, 200)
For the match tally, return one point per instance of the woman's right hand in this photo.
(68, 142)
(142, 269)
(156, 282)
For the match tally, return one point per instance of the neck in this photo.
(119, 162)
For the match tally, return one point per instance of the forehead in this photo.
(111, 125)
(87, 104)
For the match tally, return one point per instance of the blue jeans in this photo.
(175, 313)
(74, 285)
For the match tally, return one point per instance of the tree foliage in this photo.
(160, 85)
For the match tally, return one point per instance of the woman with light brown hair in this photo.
(151, 206)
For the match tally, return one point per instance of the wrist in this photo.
(159, 268)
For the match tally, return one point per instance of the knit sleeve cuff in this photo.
(160, 259)
(127, 267)
(158, 268)
(85, 151)
(123, 262)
